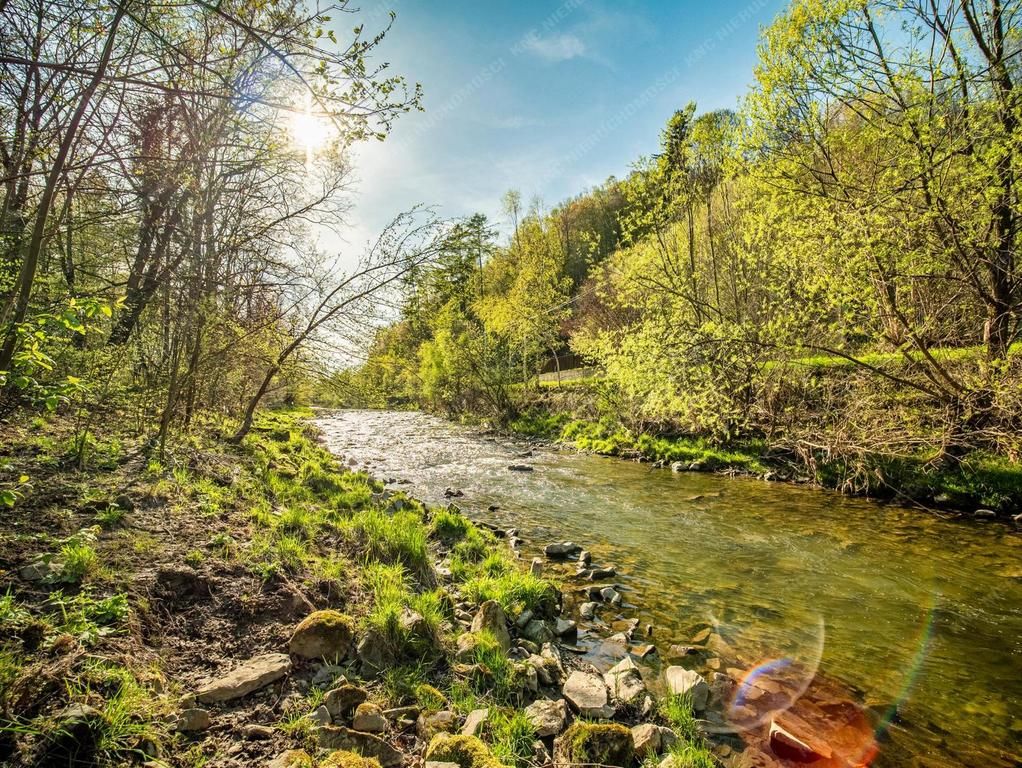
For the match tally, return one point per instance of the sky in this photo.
(549, 98)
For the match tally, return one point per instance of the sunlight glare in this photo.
(309, 131)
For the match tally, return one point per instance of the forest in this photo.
(827, 273)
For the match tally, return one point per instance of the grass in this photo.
(498, 680)
(511, 735)
(690, 750)
(80, 560)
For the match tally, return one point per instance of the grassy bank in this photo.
(126, 581)
(978, 481)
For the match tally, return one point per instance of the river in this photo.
(919, 618)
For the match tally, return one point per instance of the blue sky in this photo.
(547, 97)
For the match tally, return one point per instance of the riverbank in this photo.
(262, 604)
(978, 485)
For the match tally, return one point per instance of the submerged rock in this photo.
(254, 674)
(588, 611)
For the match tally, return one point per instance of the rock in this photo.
(345, 759)
(536, 569)
(323, 635)
(588, 611)
(373, 653)
(491, 618)
(414, 624)
(625, 681)
(366, 744)
(592, 744)
(540, 754)
(321, 716)
(44, 569)
(429, 725)
(678, 466)
(610, 595)
(791, 738)
(125, 502)
(585, 557)
(538, 632)
(524, 618)
(451, 493)
(685, 682)
(341, 702)
(437, 764)
(564, 627)
(254, 674)
(254, 732)
(652, 739)
(642, 651)
(467, 644)
(193, 719)
(463, 751)
(293, 758)
(329, 675)
(369, 718)
(548, 717)
(984, 513)
(520, 468)
(474, 722)
(562, 549)
(587, 694)
(595, 574)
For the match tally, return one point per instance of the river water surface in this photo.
(919, 618)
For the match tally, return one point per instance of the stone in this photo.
(651, 739)
(548, 717)
(540, 754)
(642, 651)
(321, 716)
(984, 513)
(463, 751)
(329, 675)
(678, 466)
(595, 574)
(414, 623)
(594, 744)
(791, 738)
(254, 732)
(366, 744)
(611, 595)
(342, 701)
(437, 764)
(524, 618)
(429, 725)
(474, 722)
(520, 468)
(588, 611)
(565, 627)
(373, 653)
(192, 720)
(43, 569)
(536, 569)
(624, 681)
(369, 718)
(587, 694)
(256, 673)
(293, 758)
(685, 682)
(323, 635)
(491, 618)
(467, 644)
(585, 557)
(538, 632)
(562, 549)
(343, 758)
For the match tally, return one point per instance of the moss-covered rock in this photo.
(465, 751)
(293, 758)
(430, 699)
(344, 759)
(323, 634)
(590, 743)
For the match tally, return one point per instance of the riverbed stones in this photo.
(474, 722)
(587, 611)
(538, 632)
(536, 569)
(549, 718)
(562, 549)
(625, 681)
(565, 627)
(491, 618)
(685, 682)
(594, 744)
(323, 635)
(651, 739)
(369, 718)
(343, 700)
(791, 738)
(610, 595)
(256, 673)
(366, 744)
(520, 468)
(587, 694)
(585, 557)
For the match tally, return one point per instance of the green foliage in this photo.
(88, 618)
(511, 735)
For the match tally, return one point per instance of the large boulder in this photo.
(366, 744)
(625, 681)
(490, 618)
(323, 635)
(594, 744)
(587, 694)
(547, 717)
(463, 751)
(685, 682)
(256, 673)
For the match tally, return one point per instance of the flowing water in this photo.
(918, 618)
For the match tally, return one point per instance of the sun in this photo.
(309, 131)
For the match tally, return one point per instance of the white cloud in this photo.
(555, 47)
